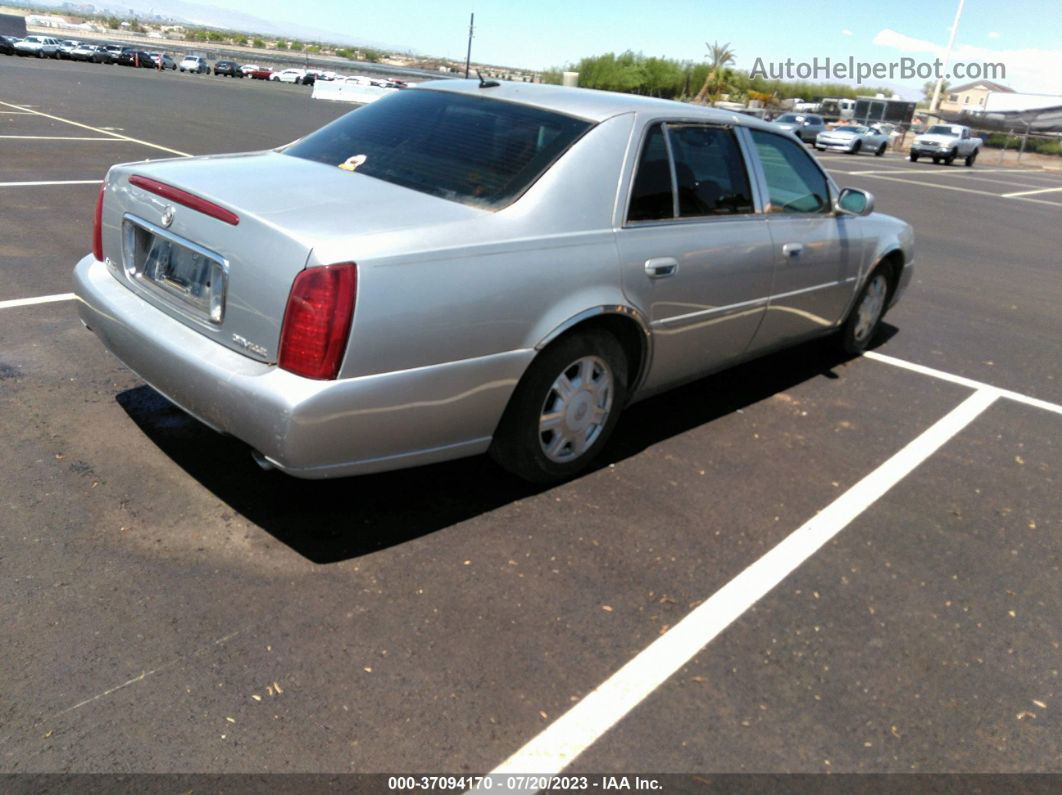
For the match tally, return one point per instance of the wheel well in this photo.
(892, 264)
(630, 335)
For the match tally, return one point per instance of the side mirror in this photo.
(853, 201)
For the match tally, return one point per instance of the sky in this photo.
(1024, 35)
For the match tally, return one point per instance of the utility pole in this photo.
(947, 59)
(468, 58)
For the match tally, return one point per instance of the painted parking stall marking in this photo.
(42, 299)
(41, 183)
(575, 731)
(1030, 192)
(114, 135)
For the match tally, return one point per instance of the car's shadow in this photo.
(332, 520)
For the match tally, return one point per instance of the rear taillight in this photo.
(97, 226)
(317, 321)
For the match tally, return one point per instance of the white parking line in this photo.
(956, 188)
(42, 299)
(1030, 192)
(56, 138)
(956, 171)
(575, 731)
(50, 182)
(96, 129)
(967, 382)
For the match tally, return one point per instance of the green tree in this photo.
(720, 56)
(930, 85)
(258, 43)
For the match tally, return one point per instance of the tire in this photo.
(951, 157)
(936, 161)
(855, 148)
(880, 151)
(970, 158)
(863, 322)
(914, 157)
(594, 367)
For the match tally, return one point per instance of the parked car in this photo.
(247, 68)
(945, 142)
(83, 52)
(805, 126)
(853, 139)
(518, 273)
(260, 73)
(133, 56)
(165, 58)
(110, 53)
(67, 46)
(41, 46)
(7, 46)
(288, 76)
(227, 68)
(194, 63)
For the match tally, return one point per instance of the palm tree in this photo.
(720, 55)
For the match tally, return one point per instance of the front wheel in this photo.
(951, 157)
(914, 157)
(855, 148)
(864, 320)
(564, 409)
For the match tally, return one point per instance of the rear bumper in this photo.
(307, 428)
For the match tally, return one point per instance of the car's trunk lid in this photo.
(231, 281)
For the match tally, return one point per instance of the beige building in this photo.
(970, 96)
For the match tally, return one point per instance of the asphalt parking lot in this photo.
(806, 564)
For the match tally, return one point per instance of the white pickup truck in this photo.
(945, 142)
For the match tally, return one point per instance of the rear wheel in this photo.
(864, 320)
(880, 151)
(564, 409)
(970, 158)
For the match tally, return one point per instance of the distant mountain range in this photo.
(183, 12)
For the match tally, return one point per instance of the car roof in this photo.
(590, 104)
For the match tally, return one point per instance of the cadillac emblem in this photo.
(167, 216)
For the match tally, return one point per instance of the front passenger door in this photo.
(817, 252)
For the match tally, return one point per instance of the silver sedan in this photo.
(469, 267)
(853, 139)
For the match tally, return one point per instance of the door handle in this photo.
(792, 249)
(661, 267)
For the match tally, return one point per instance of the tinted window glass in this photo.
(794, 182)
(468, 149)
(651, 197)
(709, 170)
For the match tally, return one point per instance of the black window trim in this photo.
(759, 205)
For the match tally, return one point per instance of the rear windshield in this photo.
(473, 150)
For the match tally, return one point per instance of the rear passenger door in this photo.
(696, 255)
(817, 251)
